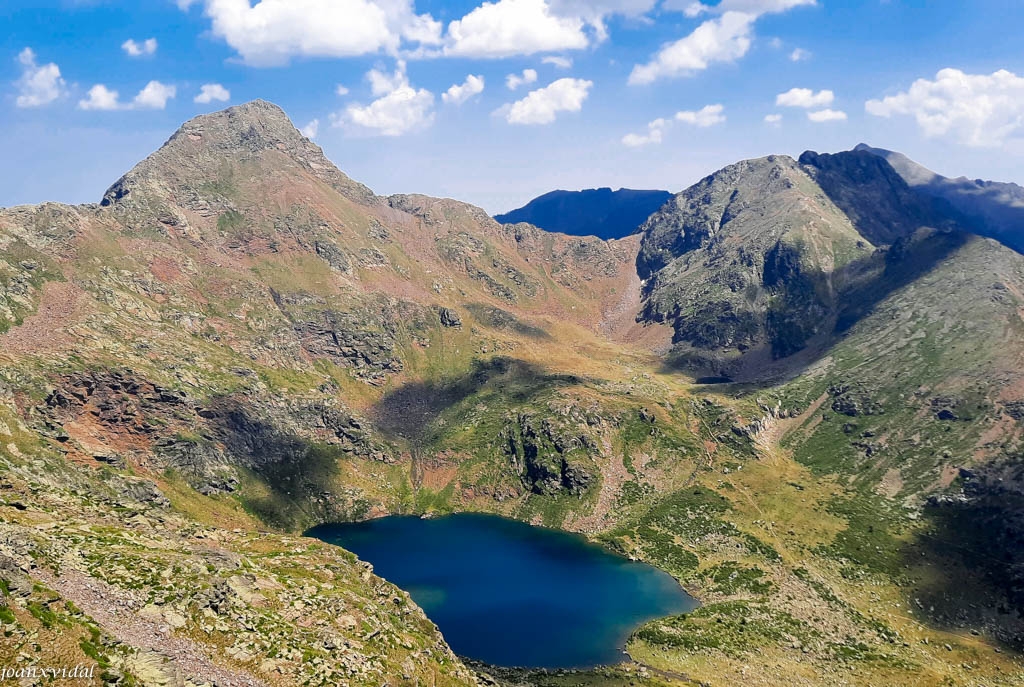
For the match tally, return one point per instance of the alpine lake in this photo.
(510, 594)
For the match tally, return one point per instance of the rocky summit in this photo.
(798, 389)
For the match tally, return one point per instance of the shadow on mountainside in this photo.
(970, 560)
(496, 318)
(293, 473)
(409, 411)
(864, 284)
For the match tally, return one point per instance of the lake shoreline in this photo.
(509, 593)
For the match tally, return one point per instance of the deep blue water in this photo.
(510, 594)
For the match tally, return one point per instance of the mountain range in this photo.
(798, 387)
(991, 208)
(600, 212)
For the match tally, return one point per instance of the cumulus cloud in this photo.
(514, 27)
(271, 32)
(723, 39)
(460, 93)
(595, 12)
(773, 119)
(135, 49)
(709, 115)
(311, 130)
(514, 81)
(558, 61)
(827, 116)
(40, 84)
(972, 109)
(655, 134)
(799, 55)
(805, 97)
(100, 97)
(399, 108)
(543, 105)
(153, 96)
(209, 92)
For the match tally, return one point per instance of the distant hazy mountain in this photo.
(597, 212)
(995, 209)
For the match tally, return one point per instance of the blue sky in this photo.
(636, 93)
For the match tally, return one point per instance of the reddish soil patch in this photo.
(61, 304)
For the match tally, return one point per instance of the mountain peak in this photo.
(206, 149)
(599, 212)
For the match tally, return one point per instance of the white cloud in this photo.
(755, 7)
(799, 55)
(827, 116)
(972, 109)
(557, 61)
(805, 97)
(460, 93)
(655, 134)
(271, 32)
(773, 119)
(543, 105)
(514, 27)
(39, 84)
(594, 12)
(399, 108)
(153, 96)
(708, 115)
(514, 81)
(209, 92)
(311, 130)
(134, 49)
(100, 97)
(723, 39)
(341, 90)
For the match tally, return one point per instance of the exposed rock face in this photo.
(449, 318)
(729, 263)
(549, 460)
(204, 440)
(337, 336)
(772, 255)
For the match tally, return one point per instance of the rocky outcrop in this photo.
(548, 460)
(205, 441)
(727, 261)
(449, 318)
(854, 400)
